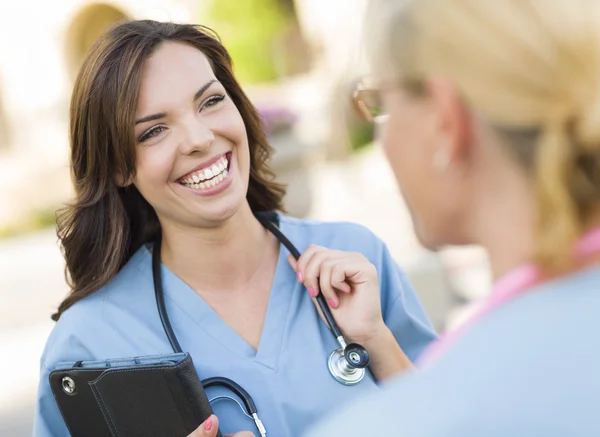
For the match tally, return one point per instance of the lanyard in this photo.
(516, 282)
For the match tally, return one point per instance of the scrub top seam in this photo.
(171, 299)
(198, 323)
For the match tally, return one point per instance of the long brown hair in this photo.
(107, 223)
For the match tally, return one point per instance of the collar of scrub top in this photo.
(346, 364)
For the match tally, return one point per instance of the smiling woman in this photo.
(187, 124)
(152, 106)
(167, 151)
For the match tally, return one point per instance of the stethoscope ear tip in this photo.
(356, 355)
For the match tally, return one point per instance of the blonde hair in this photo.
(531, 69)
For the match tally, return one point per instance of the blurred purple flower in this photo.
(276, 119)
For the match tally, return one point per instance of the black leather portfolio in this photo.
(150, 396)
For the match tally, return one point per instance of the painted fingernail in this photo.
(331, 303)
(300, 277)
(312, 292)
(208, 423)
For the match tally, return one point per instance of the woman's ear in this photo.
(452, 118)
(122, 181)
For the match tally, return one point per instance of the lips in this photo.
(209, 174)
(207, 169)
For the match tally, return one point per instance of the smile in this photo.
(208, 177)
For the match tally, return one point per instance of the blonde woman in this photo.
(493, 133)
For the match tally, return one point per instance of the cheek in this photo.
(153, 167)
(404, 147)
(230, 125)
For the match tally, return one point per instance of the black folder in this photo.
(149, 396)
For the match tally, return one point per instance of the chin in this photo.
(427, 243)
(426, 238)
(436, 238)
(222, 211)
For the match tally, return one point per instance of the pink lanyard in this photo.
(517, 281)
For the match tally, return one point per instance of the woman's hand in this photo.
(350, 285)
(210, 427)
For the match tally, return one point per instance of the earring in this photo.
(441, 160)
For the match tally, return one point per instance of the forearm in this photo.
(387, 359)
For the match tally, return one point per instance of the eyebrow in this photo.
(160, 115)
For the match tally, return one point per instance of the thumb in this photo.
(209, 428)
(293, 262)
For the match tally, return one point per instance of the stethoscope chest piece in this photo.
(347, 364)
(342, 371)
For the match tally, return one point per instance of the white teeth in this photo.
(209, 177)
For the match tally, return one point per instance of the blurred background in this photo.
(298, 61)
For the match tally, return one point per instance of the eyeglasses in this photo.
(366, 97)
(367, 100)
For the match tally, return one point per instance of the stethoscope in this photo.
(346, 364)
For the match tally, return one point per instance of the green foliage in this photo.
(33, 221)
(250, 30)
(361, 136)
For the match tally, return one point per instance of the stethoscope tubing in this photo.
(267, 219)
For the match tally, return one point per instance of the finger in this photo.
(294, 264)
(325, 283)
(306, 256)
(312, 271)
(309, 277)
(360, 270)
(338, 278)
(321, 315)
(241, 434)
(209, 428)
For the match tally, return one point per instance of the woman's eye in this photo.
(212, 101)
(151, 133)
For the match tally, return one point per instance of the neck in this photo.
(511, 246)
(508, 237)
(206, 257)
(503, 220)
(507, 250)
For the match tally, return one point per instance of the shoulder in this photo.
(95, 319)
(458, 405)
(341, 235)
(405, 406)
(564, 310)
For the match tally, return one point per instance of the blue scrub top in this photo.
(287, 377)
(531, 368)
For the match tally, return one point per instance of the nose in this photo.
(197, 137)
